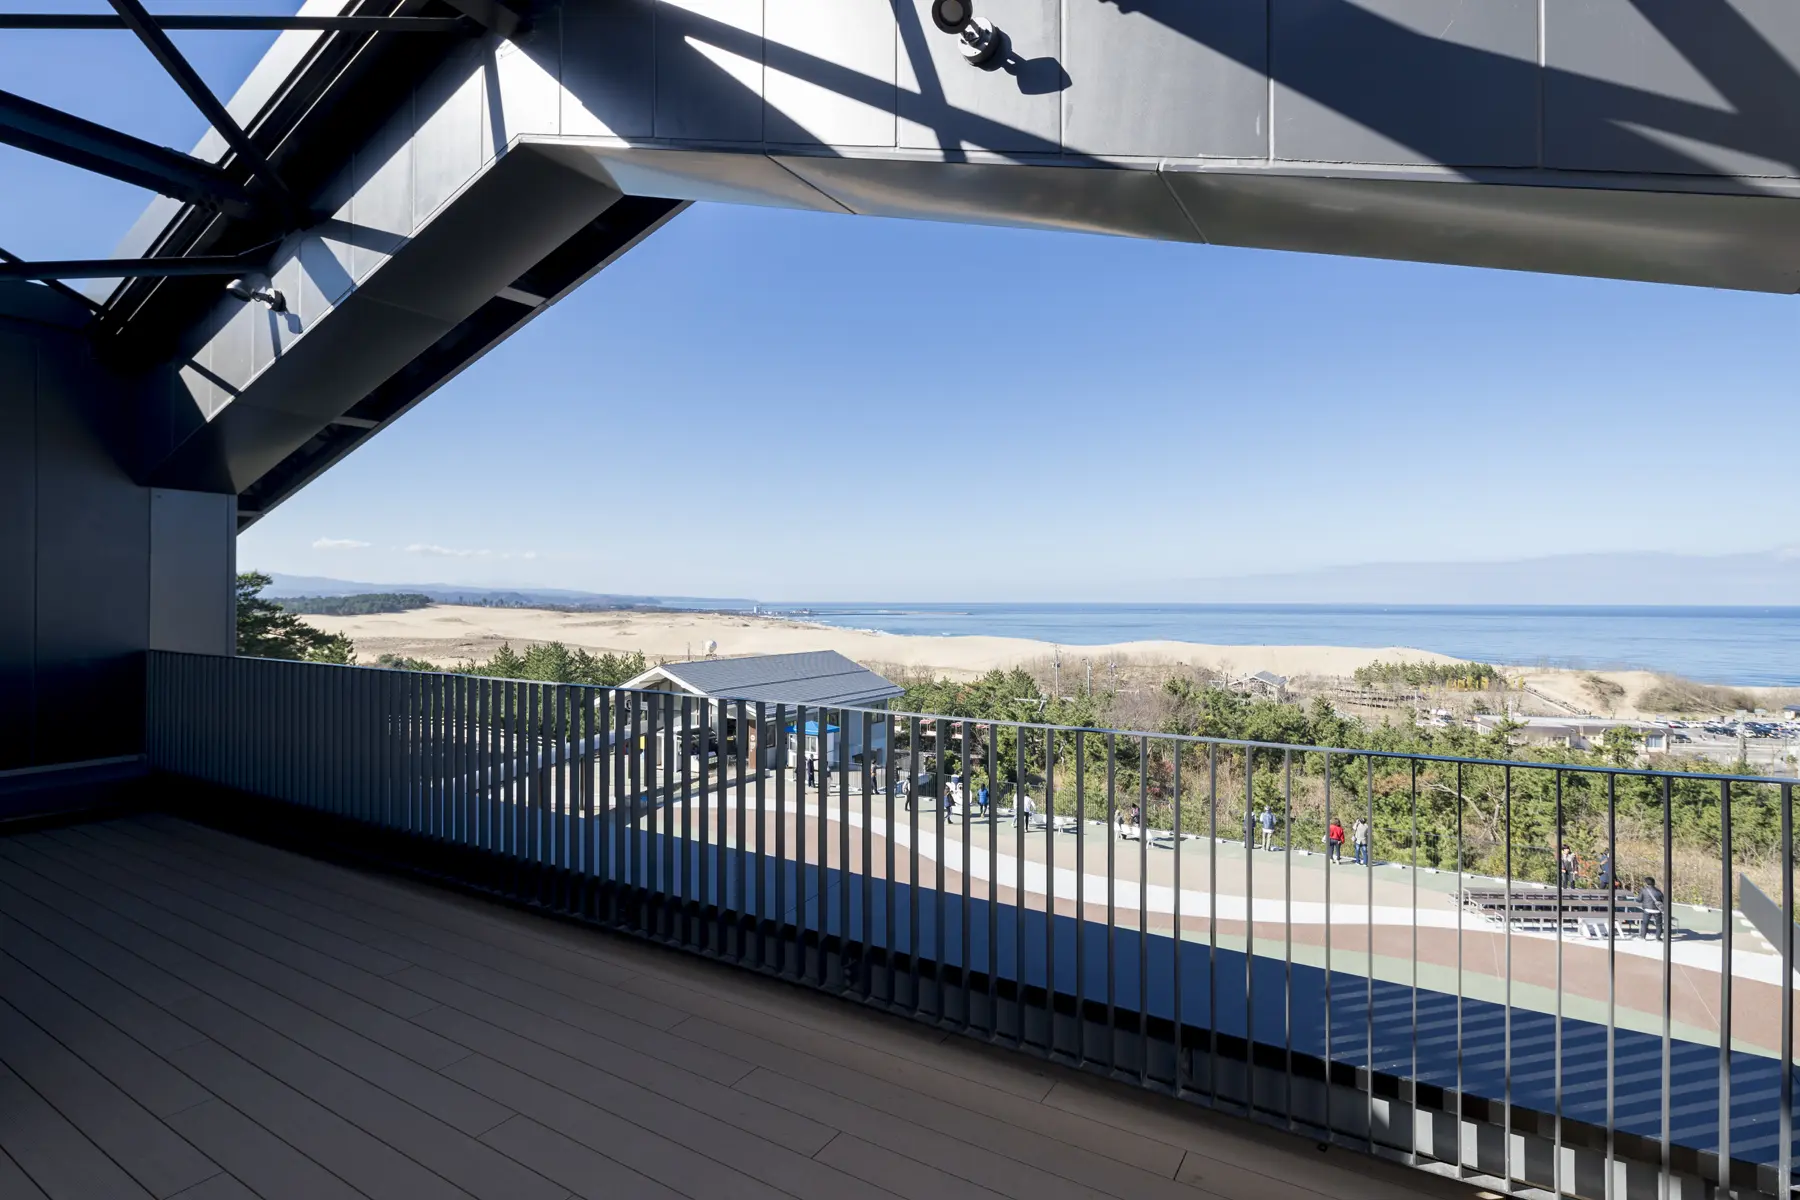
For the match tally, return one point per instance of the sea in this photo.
(1737, 646)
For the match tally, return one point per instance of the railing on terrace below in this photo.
(1469, 1000)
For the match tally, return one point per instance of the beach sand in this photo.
(446, 633)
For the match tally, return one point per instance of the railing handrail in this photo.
(1047, 727)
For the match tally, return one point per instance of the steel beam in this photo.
(139, 20)
(93, 306)
(127, 268)
(241, 22)
(496, 15)
(40, 129)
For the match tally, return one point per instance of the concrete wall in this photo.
(94, 567)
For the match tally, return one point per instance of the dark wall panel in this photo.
(191, 576)
(18, 546)
(94, 569)
(93, 530)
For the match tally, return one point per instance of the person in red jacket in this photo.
(1334, 838)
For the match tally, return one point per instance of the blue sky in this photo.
(797, 406)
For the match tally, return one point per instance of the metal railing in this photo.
(1468, 997)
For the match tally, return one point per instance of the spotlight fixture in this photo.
(979, 41)
(951, 15)
(247, 292)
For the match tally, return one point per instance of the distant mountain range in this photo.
(1767, 578)
(286, 586)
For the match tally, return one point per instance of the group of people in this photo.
(1335, 837)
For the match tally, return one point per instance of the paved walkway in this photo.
(1301, 903)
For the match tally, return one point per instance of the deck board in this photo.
(191, 1016)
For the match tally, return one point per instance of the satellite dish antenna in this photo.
(709, 648)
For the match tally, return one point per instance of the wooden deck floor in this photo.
(187, 1014)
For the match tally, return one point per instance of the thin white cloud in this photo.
(326, 543)
(436, 551)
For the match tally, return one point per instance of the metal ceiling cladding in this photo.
(1340, 129)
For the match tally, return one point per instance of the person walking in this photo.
(1651, 898)
(812, 771)
(1334, 838)
(1569, 871)
(1606, 871)
(981, 800)
(1359, 838)
(1025, 810)
(1268, 828)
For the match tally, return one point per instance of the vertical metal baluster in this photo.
(557, 757)
(636, 870)
(868, 853)
(1330, 1127)
(453, 751)
(512, 701)
(1369, 962)
(1080, 888)
(822, 871)
(803, 896)
(483, 737)
(1556, 1063)
(683, 876)
(941, 727)
(993, 884)
(1287, 927)
(1506, 930)
(964, 959)
(913, 800)
(1784, 1163)
(596, 838)
(765, 756)
(1178, 1077)
(600, 704)
(702, 889)
(1727, 925)
(1612, 977)
(1019, 830)
(1413, 780)
(1212, 924)
(524, 786)
(621, 750)
(1250, 941)
(1143, 929)
(715, 826)
(669, 909)
(543, 796)
(434, 762)
(1459, 972)
(890, 933)
(1668, 1075)
(724, 852)
(740, 757)
(781, 861)
(1112, 916)
(1079, 925)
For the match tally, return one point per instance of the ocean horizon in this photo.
(1747, 646)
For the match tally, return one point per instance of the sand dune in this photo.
(446, 633)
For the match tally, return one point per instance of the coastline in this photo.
(446, 634)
